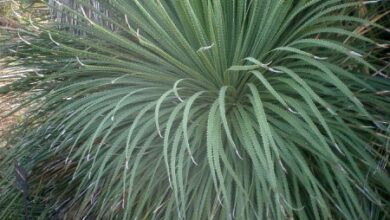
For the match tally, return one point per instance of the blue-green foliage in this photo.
(203, 109)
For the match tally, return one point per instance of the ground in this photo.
(8, 102)
(5, 103)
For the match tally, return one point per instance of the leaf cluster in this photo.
(239, 109)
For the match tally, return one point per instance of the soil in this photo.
(8, 102)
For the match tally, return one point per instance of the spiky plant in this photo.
(192, 109)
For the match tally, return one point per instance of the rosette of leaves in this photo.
(241, 109)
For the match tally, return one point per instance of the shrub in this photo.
(240, 109)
